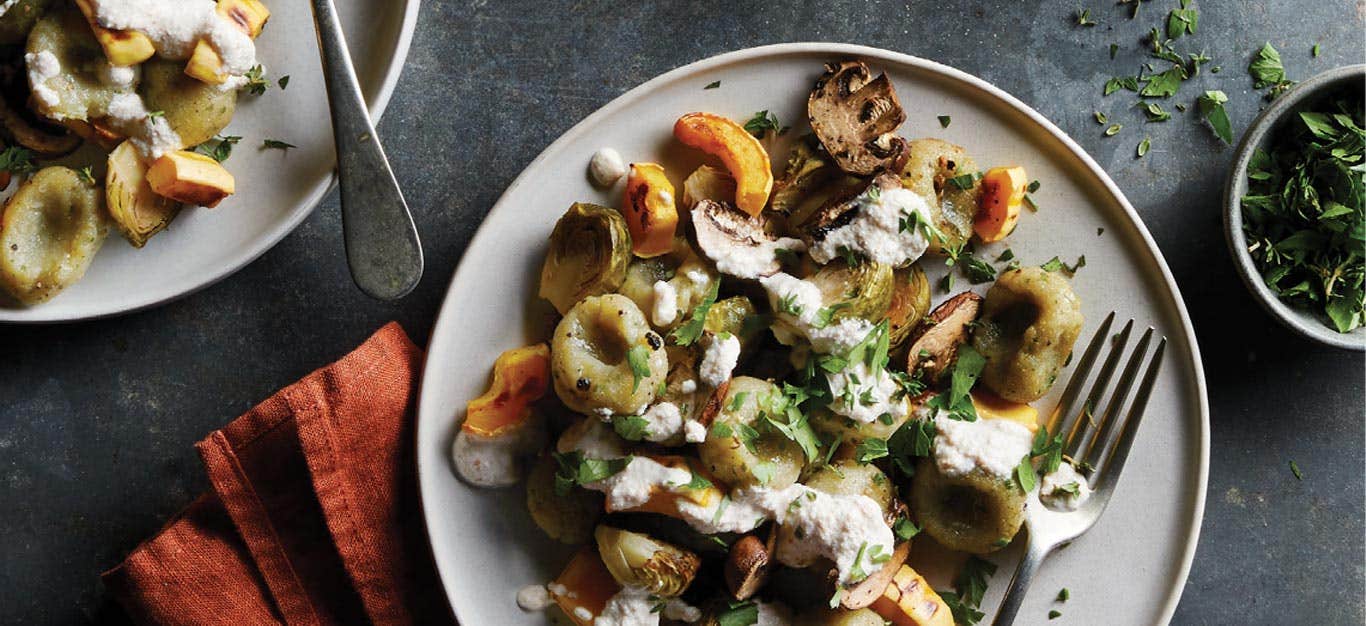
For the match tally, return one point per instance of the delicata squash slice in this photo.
(51, 229)
(764, 366)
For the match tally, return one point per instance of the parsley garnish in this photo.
(276, 144)
(576, 469)
(1295, 469)
(1063, 595)
(761, 123)
(1155, 112)
(957, 401)
(1025, 476)
(1304, 210)
(1054, 614)
(638, 357)
(739, 614)
(86, 175)
(631, 427)
(220, 147)
(1129, 83)
(904, 529)
(1267, 71)
(1144, 146)
(944, 121)
(713, 85)
(1113, 130)
(1182, 21)
(256, 81)
(977, 270)
(965, 181)
(284, 82)
(1084, 18)
(688, 333)
(17, 160)
(870, 449)
(1211, 105)
(911, 441)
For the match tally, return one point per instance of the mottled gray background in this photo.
(98, 420)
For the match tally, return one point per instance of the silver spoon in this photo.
(382, 246)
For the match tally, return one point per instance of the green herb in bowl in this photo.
(1304, 213)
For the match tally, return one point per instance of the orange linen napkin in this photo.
(312, 517)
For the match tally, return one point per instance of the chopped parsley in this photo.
(576, 469)
(1144, 146)
(638, 357)
(1182, 21)
(1054, 614)
(631, 427)
(1155, 112)
(976, 270)
(257, 83)
(944, 121)
(1304, 210)
(739, 614)
(957, 401)
(1268, 71)
(1113, 130)
(1101, 118)
(913, 440)
(690, 331)
(17, 160)
(1211, 106)
(86, 175)
(965, 181)
(762, 122)
(284, 82)
(870, 449)
(1315, 51)
(1063, 595)
(713, 85)
(1084, 18)
(904, 529)
(276, 144)
(1295, 469)
(1129, 83)
(219, 148)
(1025, 476)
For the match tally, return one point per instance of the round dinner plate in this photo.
(276, 189)
(1129, 569)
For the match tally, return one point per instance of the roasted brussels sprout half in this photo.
(196, 111)
(932, 170)
(910, 304)
(975, 512)
(730, 316)
(863, 290)
(16, 23)
(590, 250)
(567, 518)
(1029, 322)
(74, 88)
(689, 277)
(604, 358)
(638, 560)
(741, 450)
(46, 140)
(136, 210)
(807, 171)
(51, 229)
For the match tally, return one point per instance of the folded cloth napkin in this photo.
(312, 517)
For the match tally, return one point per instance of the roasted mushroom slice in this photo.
(45, 140)
(590, 250)
(739, 244)
(747, 564)
(935, 344)
(856, 119)
(870, 589)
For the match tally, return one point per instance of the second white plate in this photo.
(275, 189)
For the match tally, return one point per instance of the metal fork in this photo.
(1093, 443)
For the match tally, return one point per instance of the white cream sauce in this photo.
(875, 232)
(532, 598)
(994, 445)
(864, 394)
(496, 461)
(665, 309)
(606, 167)
(719, 359)
(798, 304)
(1055, 489)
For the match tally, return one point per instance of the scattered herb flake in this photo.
(1182, 21)
(276, 144)
(1113, 130)
(1155, 112)
(1063, 595)
(713, 85)
(1211, 107)
(944, 121)
(1054, 614)
(1114, 47)
(1144, 146)
(761, 123)
(1295, 469)
(1084, 18)
(1100, 117)
(284, 82)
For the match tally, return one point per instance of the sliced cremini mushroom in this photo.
(737, 242)
(935, 344)
(747, 565)
(856, 118)
(868, 590)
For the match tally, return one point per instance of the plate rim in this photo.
(1178, 584)
(377, 103)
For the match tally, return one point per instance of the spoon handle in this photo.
(382, 245)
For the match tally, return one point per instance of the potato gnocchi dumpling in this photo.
(605, 359)
(930, 167)
(741, 449)
(68, 72)
(196, 111)
(51, 229)
(1029, 322)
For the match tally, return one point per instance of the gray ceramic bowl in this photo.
(1313, 325)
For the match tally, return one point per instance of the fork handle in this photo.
(1034, 555)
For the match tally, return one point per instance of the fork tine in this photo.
(1079, 376)
(1083, 424)
(1108, 472)
(1118, 397)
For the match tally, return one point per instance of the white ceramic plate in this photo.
(275, 190)
(1130, 569)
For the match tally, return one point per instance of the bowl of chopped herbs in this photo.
(1295, 208)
